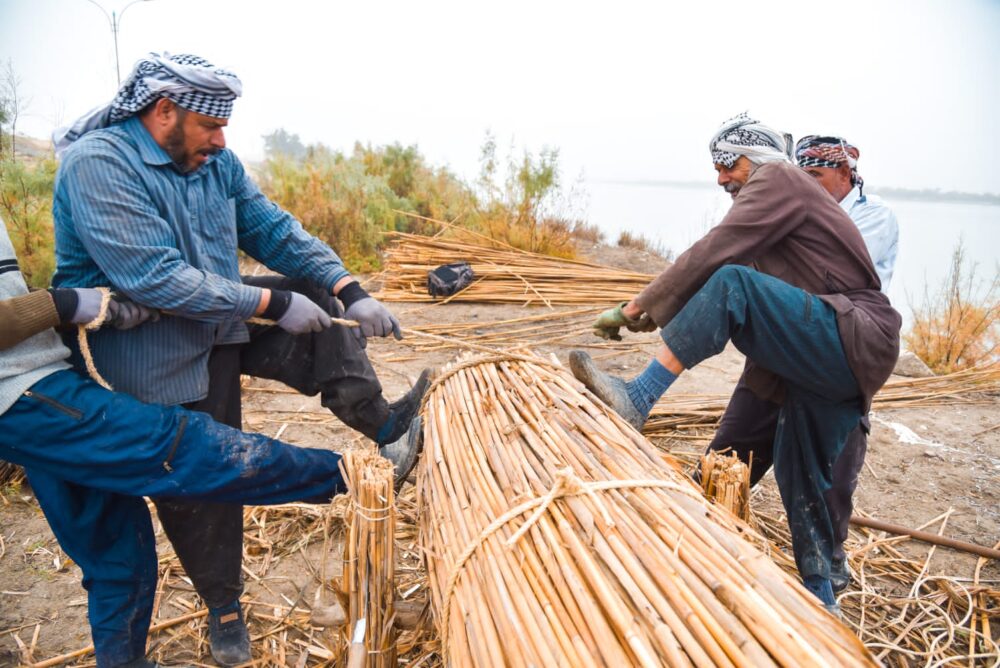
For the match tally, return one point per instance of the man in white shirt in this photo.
(834, 163)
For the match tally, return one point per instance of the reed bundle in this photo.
(694, 416)
(554, 534)
(368, 578)
(550, 328)
(726, 480)
(503, 274)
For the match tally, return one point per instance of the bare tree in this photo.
(11, 101)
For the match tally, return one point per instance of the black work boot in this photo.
(403, 410)
(405, 451)
(840, 575)
(228, 636)
(609, 389)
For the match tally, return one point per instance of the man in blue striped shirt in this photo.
(149, 202)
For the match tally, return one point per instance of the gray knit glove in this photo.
(374, 318)
(125, 314)
(303, 316)
(88, 305)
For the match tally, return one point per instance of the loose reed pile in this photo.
(555, 534)
(726, 480)
(503, 274)
(695, 416)
(368, 578)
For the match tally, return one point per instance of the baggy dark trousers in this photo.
(91, 455)
(748, 427)
(208, 537)
(794, 335)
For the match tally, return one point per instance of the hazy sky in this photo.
(625, 90)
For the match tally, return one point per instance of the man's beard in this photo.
(175, 147)
(182, 158)
(733, 188)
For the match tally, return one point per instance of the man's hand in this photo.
(125, 314)
(302, 315)
(611, 321)
(374, 318)
(608, 323)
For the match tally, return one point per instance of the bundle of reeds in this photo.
(555, 534)
(503, 274)
(726, 480)
(368, 579)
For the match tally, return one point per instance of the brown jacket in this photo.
(784, 224)
(23, 316)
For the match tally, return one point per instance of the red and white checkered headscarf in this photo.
(827, 151)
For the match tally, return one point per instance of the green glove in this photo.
(608, 323)
(611, 321)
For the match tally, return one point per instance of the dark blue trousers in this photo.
(794, 335)
(91, 455)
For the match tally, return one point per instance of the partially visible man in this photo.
(786, 277)
(91, 454)
(749, 424)
(149, 201)
(834, 163)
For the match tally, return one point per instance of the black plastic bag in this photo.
(448, 279)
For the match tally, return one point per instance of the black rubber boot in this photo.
(403, 410)
(228, 636)
(840, 575)
(404, 452)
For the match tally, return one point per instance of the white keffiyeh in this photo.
(190, 81)
(743, 135)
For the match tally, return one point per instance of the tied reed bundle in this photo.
(555, 534)
(503, 274)
(726, 480)
(368, 577)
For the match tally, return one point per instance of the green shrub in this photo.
(26, 209)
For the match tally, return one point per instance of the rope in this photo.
(566, 484)
(81, 338)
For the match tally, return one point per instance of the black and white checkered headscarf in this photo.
(190, 81)
(742, 135)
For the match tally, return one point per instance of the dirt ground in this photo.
(921, 463)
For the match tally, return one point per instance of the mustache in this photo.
(732, 187)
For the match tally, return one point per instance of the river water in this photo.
(675, 216)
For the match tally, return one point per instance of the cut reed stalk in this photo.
(554, 534)
(726, 480)
(368, 578)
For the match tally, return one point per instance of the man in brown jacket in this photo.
(787, 278)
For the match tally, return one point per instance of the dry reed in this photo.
(368, 578)
(503, 274)
(555, 534)
(726, 480)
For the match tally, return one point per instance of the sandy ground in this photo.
(954, 466)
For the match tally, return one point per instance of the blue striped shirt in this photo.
(126, 218)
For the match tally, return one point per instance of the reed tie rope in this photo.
(81, 338)
(566, 484)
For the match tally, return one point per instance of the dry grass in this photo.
(642, 243)
(958, 326)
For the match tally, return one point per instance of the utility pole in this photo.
(114, 20)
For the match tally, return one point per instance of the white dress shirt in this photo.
(878, 227)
